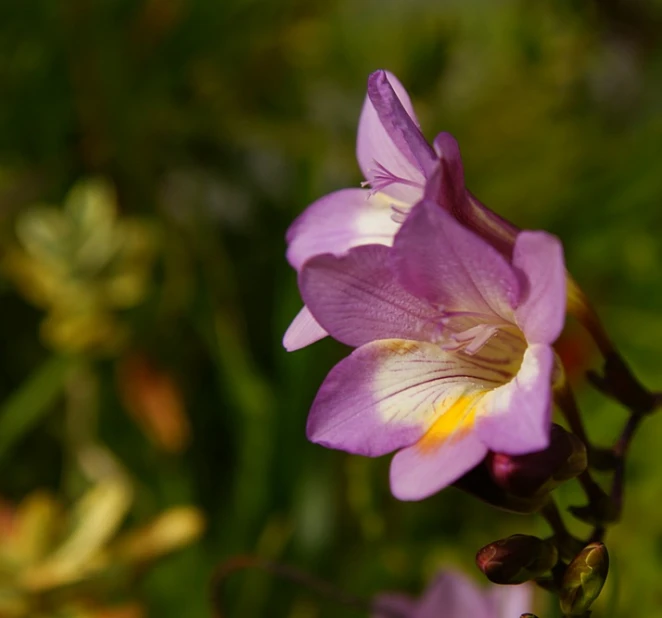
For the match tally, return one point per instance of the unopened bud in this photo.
(538, 473)
(583, 579)
(517, 559)
(480, 484)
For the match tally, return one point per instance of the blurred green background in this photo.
(143, 312)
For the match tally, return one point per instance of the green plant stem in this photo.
(293, 575)
(566, 543)
(598, 458)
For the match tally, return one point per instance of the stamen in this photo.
(489, 318)
(383, 178)
(480, 340)
(470, 331)
(472, 339)
(399, 214)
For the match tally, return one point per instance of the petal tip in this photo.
(377, 76)
(303, 331)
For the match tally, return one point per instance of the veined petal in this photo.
(438, 259)
(390, 143)
(391, 393)
(516, 418)
(417, 473)
(303, 331)
(339, 221)
(457, 595)
(541, 313)
(357, 299)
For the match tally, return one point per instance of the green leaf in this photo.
(33, 399)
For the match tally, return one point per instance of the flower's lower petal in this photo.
(339, 221)
(458, 596)
(541, 314)
(463, 272)
(389, 394)
(303, 331)
(418, 472)
(357, 299)
(510, 601)
(387, 604)
(516, 418)
(390, 143)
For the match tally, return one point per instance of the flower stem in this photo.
(620, 451)
(566, 543)
(598, 458)
(618, 382)
(295, 576)
(566, 401)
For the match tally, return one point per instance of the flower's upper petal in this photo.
(438, 259)
(339, 221)
(541, 313)
(391, 393)
(445, 184)
(303, 331)
(516, 418)
(357, 299)
(510, 601)
(388, 603)
(496, 230)
(453, 595)
(390, 143)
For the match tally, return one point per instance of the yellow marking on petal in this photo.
(387, 201)
(453, 423)
(401, 347)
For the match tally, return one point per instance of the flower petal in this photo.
(339, 221)
(388, 603)
(390, 143)
(390, 393)
(516, 418)
(303, 331)
(457, 595)
(438, 259)
(445, 184)
(510, 601)
(417, 473)
(541, 313)
(357, 299)
(496, 230)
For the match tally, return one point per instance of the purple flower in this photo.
(453, 595)
(400, 167)
(395, 160)
(453, 341)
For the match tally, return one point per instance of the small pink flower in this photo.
(453, 595)
(453, 341)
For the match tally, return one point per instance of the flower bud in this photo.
(538, 473)
(479, 483)
(583, 579)
(516, 559)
